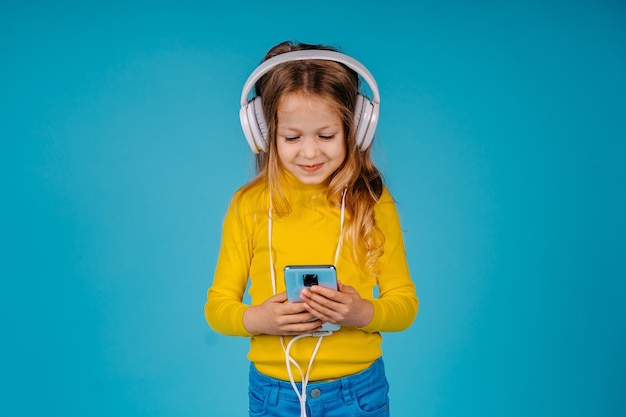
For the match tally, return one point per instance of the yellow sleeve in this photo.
(397, 305)
(224, 308)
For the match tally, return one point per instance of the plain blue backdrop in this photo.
(502, 137)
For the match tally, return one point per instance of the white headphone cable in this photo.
(269, 235)
(320, 334)
(305, 378)
(342, 216)
(269, 246)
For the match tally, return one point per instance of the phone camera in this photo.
(309, 280)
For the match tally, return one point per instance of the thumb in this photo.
(278, 298)
(345, 288)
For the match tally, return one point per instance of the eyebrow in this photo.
(331, 126)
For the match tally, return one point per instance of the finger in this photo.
(347, 289)
(321, 291)
(322, 318)
(292, 308)
(303, 317)
(324, 312)
(303, 330)
(279, 298)
(302, 327)
(320, 306)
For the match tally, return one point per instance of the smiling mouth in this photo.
(310, 168)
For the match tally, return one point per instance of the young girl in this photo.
(317, 199)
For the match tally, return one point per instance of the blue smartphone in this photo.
(298, 277)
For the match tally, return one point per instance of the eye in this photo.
(291, 138)
(326, 137)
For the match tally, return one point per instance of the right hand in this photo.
(277, 317)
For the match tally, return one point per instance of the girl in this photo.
(317, 199)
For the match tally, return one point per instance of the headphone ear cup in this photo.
(261, 124)
(254, 126)
(362, 119)
(247, 131)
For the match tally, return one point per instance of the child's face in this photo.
(310, 138)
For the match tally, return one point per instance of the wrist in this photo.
(367, 314)
(249, 322)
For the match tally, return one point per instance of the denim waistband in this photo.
(345, 387)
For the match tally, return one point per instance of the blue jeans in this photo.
(362, 394)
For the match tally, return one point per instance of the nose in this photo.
(309, 147)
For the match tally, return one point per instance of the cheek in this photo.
(282, 153)
(340, 153)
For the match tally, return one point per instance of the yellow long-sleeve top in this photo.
(307, 236)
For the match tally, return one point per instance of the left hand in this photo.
(344, 306)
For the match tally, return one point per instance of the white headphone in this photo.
(251, 112)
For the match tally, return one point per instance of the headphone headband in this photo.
(310, 54)
(366, 113)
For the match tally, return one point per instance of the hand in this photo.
(344, 306)
(276, 317)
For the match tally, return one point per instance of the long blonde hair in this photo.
(358, 176)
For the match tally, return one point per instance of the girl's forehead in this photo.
(307, 114)
(305, 99)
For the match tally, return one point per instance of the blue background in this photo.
(501, 137)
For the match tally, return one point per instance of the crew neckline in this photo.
(289, 181)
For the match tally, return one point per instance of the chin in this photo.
(311, 181)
